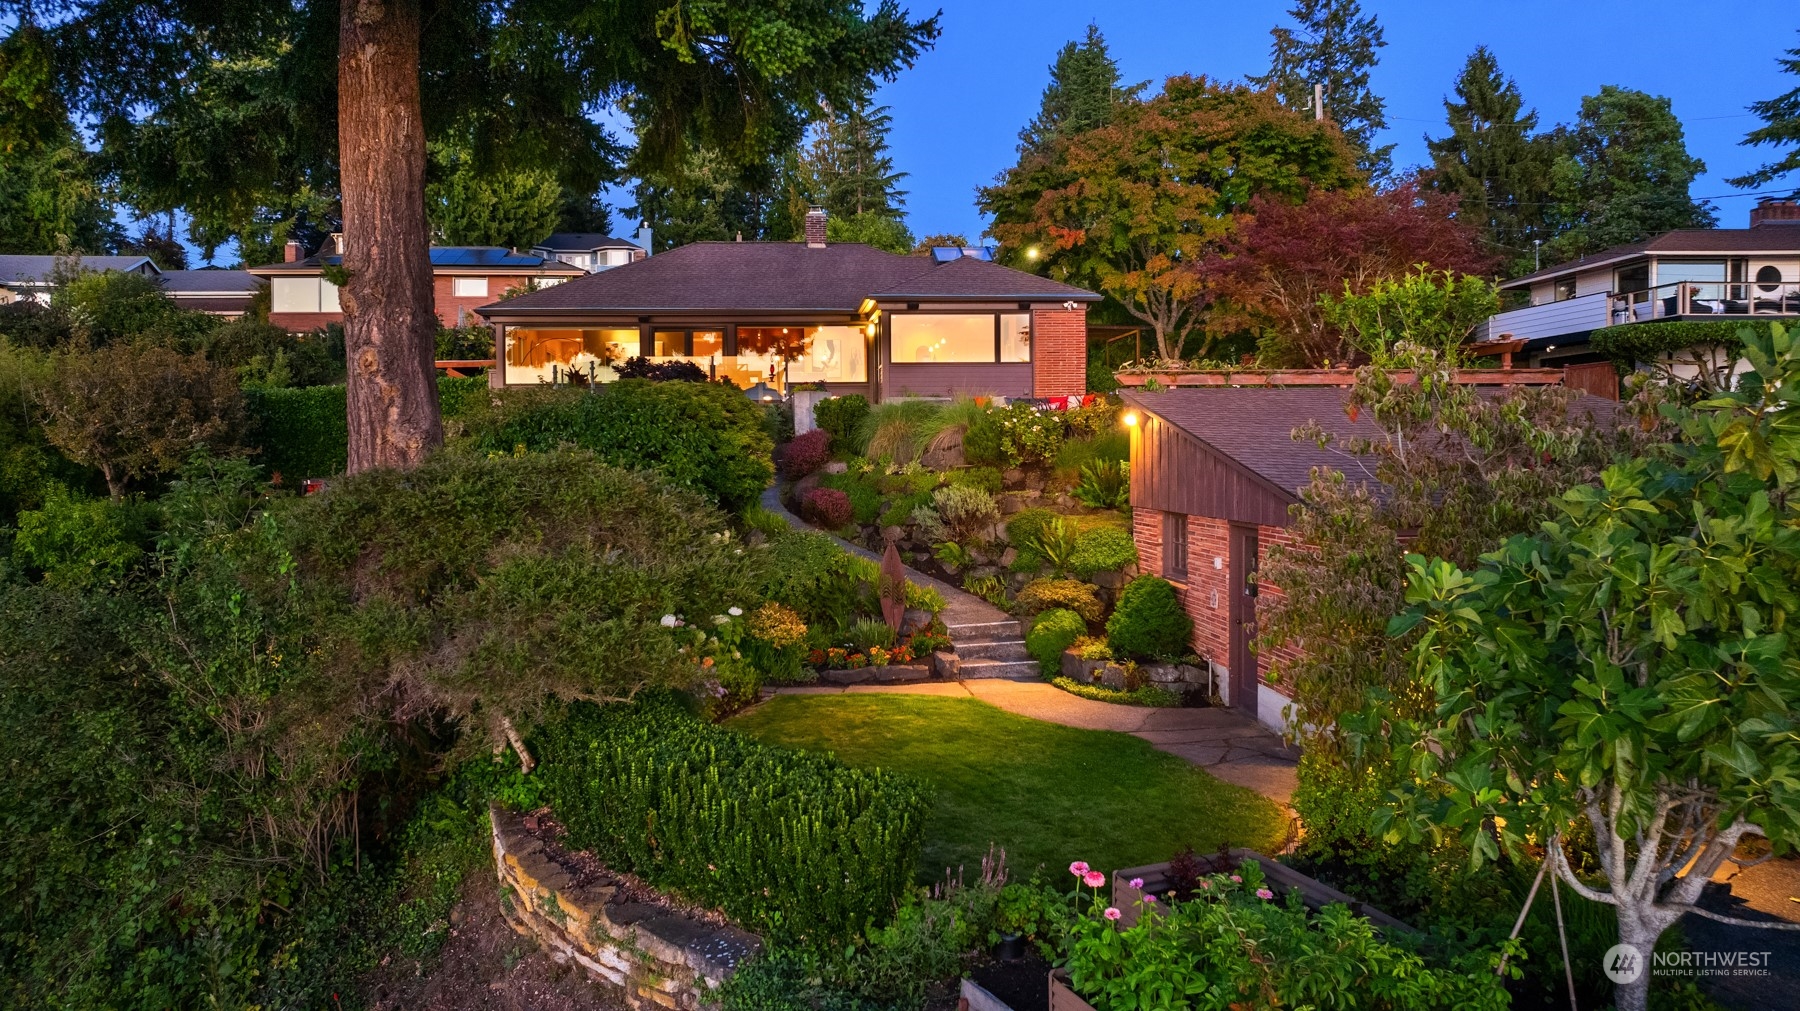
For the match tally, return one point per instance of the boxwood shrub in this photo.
(1149, 622)
(1103, 549)
(794, 845)
(840, 417)
(1054, 631)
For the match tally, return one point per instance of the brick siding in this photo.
(446, 303)
(1059, 352)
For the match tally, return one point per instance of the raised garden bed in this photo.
(1157, 880)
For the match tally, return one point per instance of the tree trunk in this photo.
(1635, 995)
(389, 323)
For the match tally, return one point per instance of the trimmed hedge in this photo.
(794, 845)
(1149, 622)
(300, 433)
(840, 417)
(1645, 342)
(1054, 631)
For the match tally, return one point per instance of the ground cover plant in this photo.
(1045, 793)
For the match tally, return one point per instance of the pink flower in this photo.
(1236, 880)
(1111, 913)
(1078, 868)
(1093, 879)
(1264, 893)
(1149, 898)
(1206, 884)
(1137, 883)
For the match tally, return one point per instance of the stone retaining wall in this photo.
(657, 956)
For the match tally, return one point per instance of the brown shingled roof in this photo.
(728, 276)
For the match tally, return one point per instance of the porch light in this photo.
(763, 393)
(1131, 418)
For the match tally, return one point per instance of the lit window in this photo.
(1015, 336)
(541, 356)
(469, 287)
(942, 337)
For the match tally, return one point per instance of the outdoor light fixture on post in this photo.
(763, 393)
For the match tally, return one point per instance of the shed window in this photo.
(1174, 547)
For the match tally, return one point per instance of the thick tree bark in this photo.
(389, 324)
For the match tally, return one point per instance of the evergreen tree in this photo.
(1494, 161)
(1624, 176)
(708, 198)
(1333, 43)
(1781, 127)
(1083, 92)
(847, 169)
(50, 195)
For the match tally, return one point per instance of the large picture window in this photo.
(547, 355)
(925, 337)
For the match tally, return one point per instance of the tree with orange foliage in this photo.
(1287, 256)
(1134, 207)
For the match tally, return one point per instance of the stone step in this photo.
(1011, 670)
(999, 649)
(984, 631)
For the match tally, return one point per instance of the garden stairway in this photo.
(991, 649)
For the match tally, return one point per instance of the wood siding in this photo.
(947, 379)
(1570, 316)
(1174, 472)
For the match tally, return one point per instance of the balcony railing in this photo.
(1552, 319)
(1705, 298)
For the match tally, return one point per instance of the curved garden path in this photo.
(1229, 745)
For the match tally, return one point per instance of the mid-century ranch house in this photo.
(213, 290)
(1688, 274)
(849, 317)
(463, 277)
(1213, 472)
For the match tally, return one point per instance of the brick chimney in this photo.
(815, 228)
(1775, 211)
(293, 252)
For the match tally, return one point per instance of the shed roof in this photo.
(774, 276)
(211, 282)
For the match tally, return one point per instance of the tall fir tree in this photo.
(848, 170)
(1084, 92)
(708, 197)
(1781, 127)
(1333, 44)
(50, 194)
(1623, 177)
(1494, 161)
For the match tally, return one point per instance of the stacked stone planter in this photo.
(1176, 677)
(656, 956)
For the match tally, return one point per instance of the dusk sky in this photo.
(957, 114)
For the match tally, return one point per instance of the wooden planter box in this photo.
(1281, 878)
(1061, 997)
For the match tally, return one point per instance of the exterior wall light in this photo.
(1032, 253)
(1131, 418)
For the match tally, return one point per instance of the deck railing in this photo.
(1705, 298)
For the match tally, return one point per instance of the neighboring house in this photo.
(592, 251)
(32, 277)
(228, 293)
(849, 317)
(1688, 274)
(464, 277)
(1214, 471)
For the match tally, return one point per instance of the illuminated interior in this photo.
(546, 355)
(775, 355)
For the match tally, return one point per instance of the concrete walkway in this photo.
(1227, 744)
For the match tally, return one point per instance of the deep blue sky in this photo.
(958, 112)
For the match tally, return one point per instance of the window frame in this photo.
(456, 284)
(995, 314)
(1175, 535)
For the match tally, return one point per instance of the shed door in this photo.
(1242, 617)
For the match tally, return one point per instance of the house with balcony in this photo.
(593, 251)
(463, 277)
(842, 317)
(1716, 274)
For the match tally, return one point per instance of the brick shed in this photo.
(1213, 473)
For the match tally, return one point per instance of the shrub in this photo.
(842, 418)
(1054, 543)
(703, 436)
(639, 367)
(79, 543)
(828, 507)
(898, 429)
(1028, 524)
(1150, 696)
(1632, 343)
(460, 395)
(1100, 379)
(767, 522)
(982, 445)
(967, 512)
(1097, 419)
(805, 454)
(266, 355)
(986, 478)
(1149, 622)
(464, 343)
(1105, 484)
(794, 845)
(1103, 549)
(865, 496)
(1078, 453)
(1052, 632)
(299, 433)
(1069, 594)
(1029, 434)
(989, 588)
(1090, 647)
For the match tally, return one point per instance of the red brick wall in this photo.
(447, 303)
(1205, 592)
(1059, 352)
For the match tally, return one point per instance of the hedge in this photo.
(303, 432)
(794, 845)
(1647, 342)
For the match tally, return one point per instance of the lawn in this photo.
(1048, 794)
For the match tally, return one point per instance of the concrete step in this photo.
(1001, 649)
(985, 631)
(1011, 670)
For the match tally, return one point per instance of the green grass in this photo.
(1047, 793)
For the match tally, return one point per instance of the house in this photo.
(846, 316)
(32, 277)
(463, 277)
(214, 290)
(1214, 471)
(592, 251)
(1718, 274)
